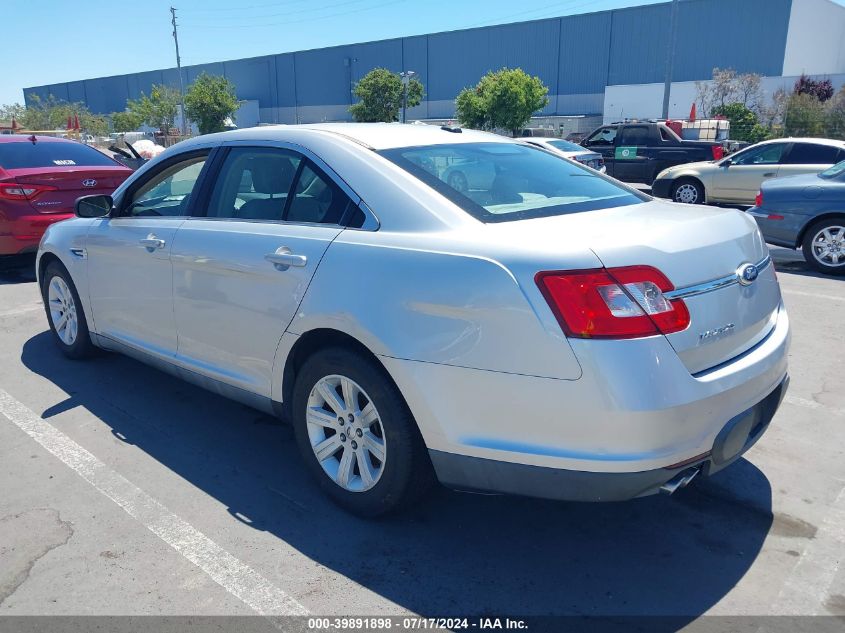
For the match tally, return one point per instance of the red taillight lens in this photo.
(623, 302)
(15, 191)
(718, 152)
(758, 199)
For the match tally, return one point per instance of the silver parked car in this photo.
(550, 332)
(571, 150)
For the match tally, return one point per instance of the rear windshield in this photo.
(566, 146)
(20, 155)
(833, 172)
(499, 182)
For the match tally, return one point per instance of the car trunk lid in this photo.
(59, 187)
(700, 250)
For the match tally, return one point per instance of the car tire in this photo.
(688, 191)
(458, 182)
(824, 246)
(65, 313)
(374, 461)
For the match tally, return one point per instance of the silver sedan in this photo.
(546, 331)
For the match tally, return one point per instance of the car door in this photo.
(808, 158)
(603, 141)
(129, 266)
(738, 178)
(242, 266)
(631, 162)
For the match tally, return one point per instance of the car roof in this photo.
(806, 139)
(375, 136)
(21, 138)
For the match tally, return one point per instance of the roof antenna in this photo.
(32, 138)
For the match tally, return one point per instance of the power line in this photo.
(289, 13)
(301, 21)
(557, 6)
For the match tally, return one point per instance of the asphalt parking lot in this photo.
(156, 497)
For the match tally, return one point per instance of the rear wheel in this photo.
(824, 246)
(458, 182)
(356, 434)
(688, 191)
(65, 313)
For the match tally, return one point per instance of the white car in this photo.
(555, 333)
(570, 150)
(737, 178)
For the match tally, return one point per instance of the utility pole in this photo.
(670, 57)
(406, 76)
(179, 68)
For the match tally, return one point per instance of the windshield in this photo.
(566, 146)
(498, 182)
(26, 155)
(833, 172)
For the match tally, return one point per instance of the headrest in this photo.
(271, 174)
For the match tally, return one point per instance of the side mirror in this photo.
(97, 206)
(727, 162)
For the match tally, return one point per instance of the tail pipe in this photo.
(680, 480)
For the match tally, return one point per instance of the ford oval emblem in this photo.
(747, 273)
(90, 182)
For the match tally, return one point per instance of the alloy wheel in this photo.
(346, 434)
(828, 246)
(62, 310)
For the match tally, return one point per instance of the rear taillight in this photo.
(15, 191)
(625, 302)
(718, 152)
(758, 199)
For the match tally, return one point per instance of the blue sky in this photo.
(53, 41)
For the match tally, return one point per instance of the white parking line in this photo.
(812, 404)
(807, 587)
(234, 576)
(815, 295)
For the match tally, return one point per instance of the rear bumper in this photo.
(23, 233)
(662, 188)
(476, 474)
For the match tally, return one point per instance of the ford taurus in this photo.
(545, 331)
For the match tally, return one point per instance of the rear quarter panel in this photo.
(433, 305)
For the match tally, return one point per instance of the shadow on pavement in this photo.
(455, 553)
(17, 269)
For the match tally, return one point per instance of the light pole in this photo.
(670, 57)
(406, 76)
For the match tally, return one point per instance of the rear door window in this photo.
(812, 154)
(29, 155)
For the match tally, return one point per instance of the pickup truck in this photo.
(637, 152)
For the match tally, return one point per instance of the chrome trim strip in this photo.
(713, 284)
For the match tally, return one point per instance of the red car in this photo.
(40, 179)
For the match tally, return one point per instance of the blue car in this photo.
(806, 212)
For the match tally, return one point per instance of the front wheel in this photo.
(356, 434)
(65, 313)
(824, 246)
(688, 191)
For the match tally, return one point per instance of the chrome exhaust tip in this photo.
(680, 480)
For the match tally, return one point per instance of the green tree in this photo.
(745, 126)
(52, 114)
(805, 116)
(9, 111)
(126, 121)
(210, 100)
(836, 115)
(157, 110)
(505, 99)
(381, 94)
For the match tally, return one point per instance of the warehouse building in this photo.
(609, 64)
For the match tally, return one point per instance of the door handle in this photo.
(151, 242)
(283, 259)
(771, 174)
